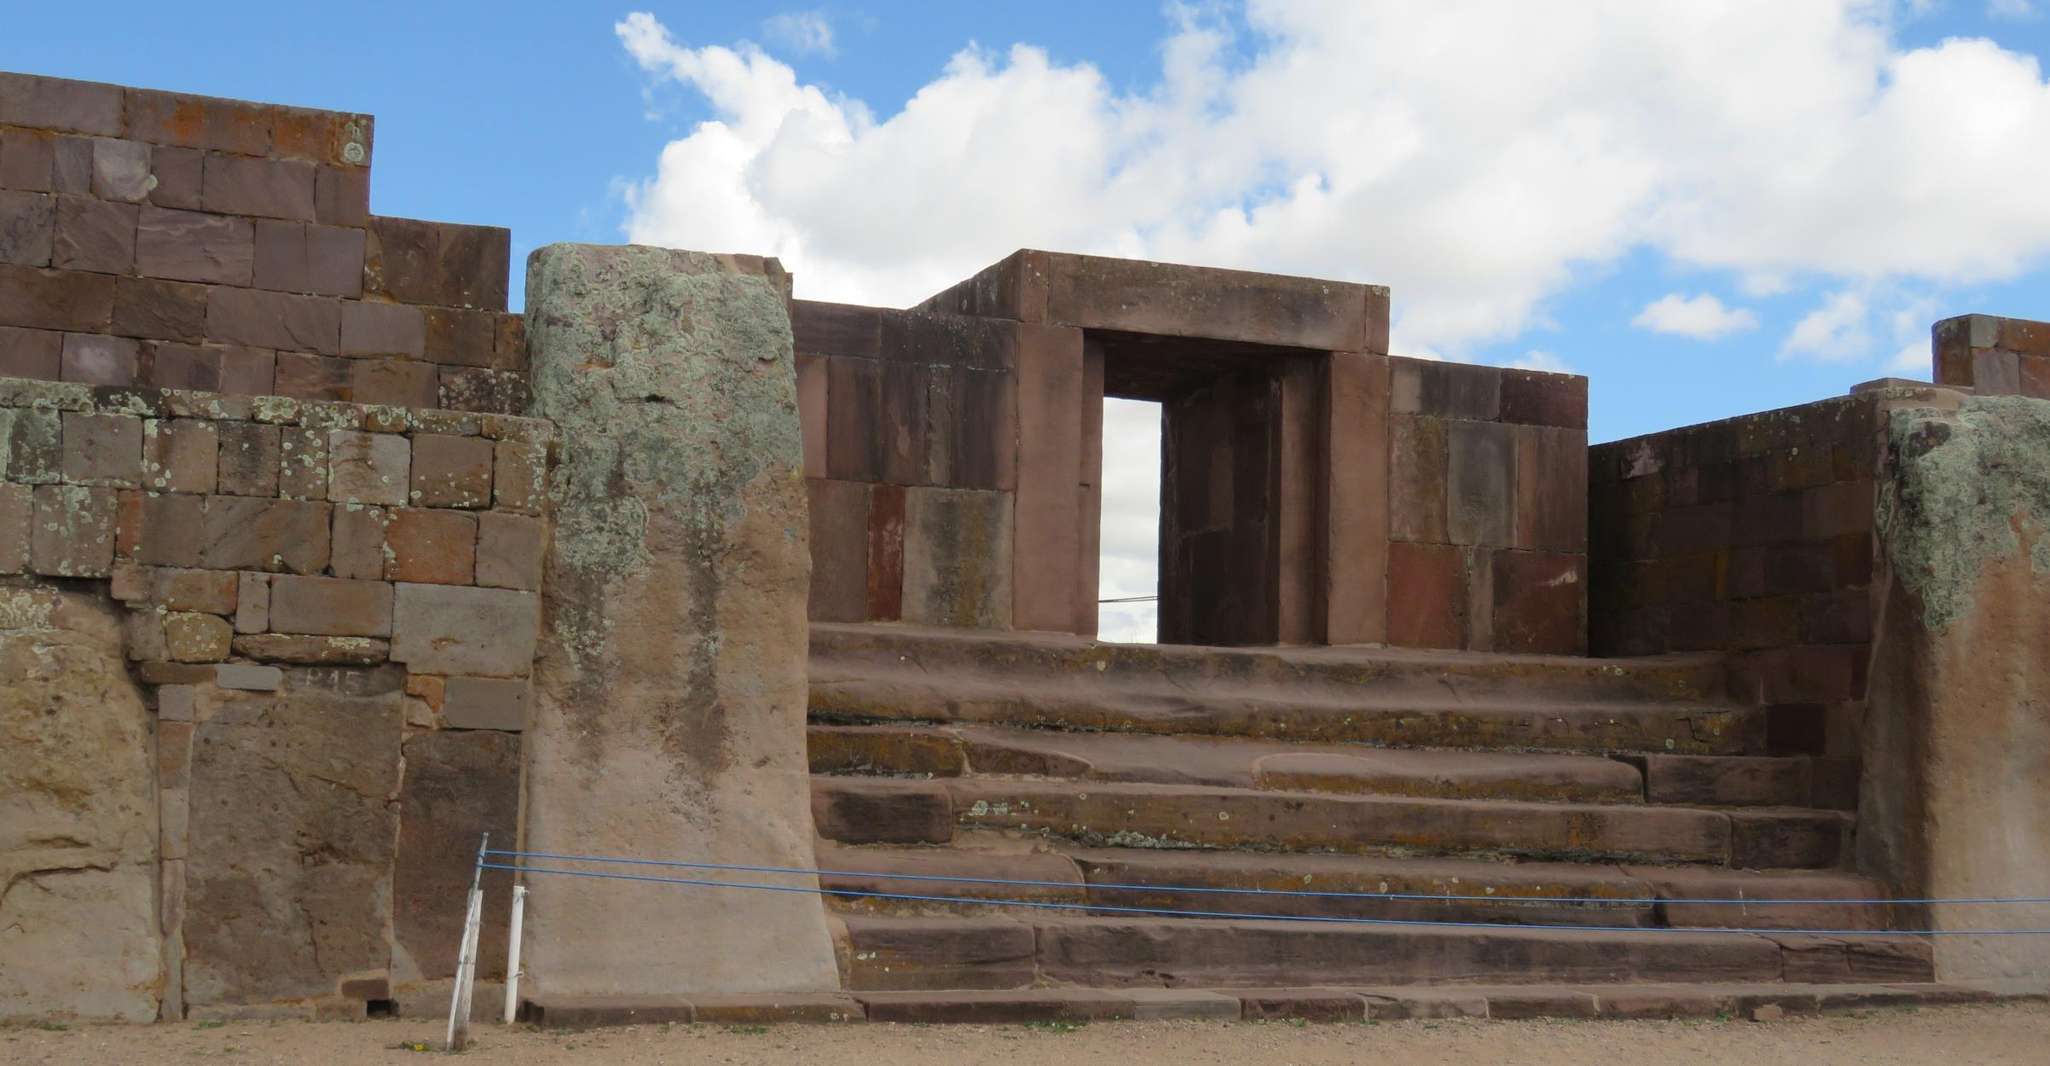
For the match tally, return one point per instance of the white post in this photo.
(466, 958)
(512, 954)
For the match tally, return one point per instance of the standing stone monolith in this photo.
(670, 691)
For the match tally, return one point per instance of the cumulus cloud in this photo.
(1475, 156)
(2010, 9)
(1835, 331)
(803, 32)
(1702, 317)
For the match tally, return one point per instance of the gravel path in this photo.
(1953, 1036)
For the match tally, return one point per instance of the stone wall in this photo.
(151, 238)
(1487, 508)
(1751, 536)
(332, 611)
(1993, 356)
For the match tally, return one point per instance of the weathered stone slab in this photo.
(77, 816)
(484, 703)
(670, 694)
(292, 840)
(449, 629)
(957, 558)
(459, 785)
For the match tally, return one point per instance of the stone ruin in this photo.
(320, 563)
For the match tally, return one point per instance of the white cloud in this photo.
(803, 32)
(1836, 331)
(1474, 156)
(1702, 317)
(1539, 359)
(2010, 9)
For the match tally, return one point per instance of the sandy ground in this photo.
(1950, 1036)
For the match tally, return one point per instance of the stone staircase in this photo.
(1103, 774)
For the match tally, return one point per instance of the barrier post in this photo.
(466, 958)
(512, 954)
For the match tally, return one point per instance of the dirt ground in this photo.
(1952, 1036)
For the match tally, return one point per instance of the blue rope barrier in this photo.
(1324, 919)
(1278, 892)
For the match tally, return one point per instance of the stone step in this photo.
(1632, 896)
(888, 953)
(1226, 762)
(853, 810)
(877, 673)
(1760, 1002)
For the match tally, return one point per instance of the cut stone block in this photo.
(191, 637)
(159, 310)
(517, 472)
(94, 235)
(359, 550)
(484, 703)
(368, 467)
(431, 546)
(17, 508)
(73, 531)
(28, 222)
(451, 471)
(268, 188)
(383, 329)
(324, 606)
(312, 651)
(509, 550)
(190, 246)
(244, 533)
(248, 459)
(102, 449)
(180, 455)
(458, 786)
(451, 629)
(276, 320)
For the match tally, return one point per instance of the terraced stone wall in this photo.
(158, 239)
(331, 610)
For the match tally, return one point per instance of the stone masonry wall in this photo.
(910, 454)
(1993, 356)
(1487, 508)
(1751, 536)
(151, 238)
(332, 609)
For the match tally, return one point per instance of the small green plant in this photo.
(748, 1030)
(410, 1045)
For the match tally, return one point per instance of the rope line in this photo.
(1323, 919)
(1277, 892)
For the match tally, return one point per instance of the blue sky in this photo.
(1707, 208)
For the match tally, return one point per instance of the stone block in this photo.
(94, 235)
(359, 550)
(179, 174)
(334, 260)
(458, 786)
(72, 171)
(191, 637)
(249, 458)
(271, 772)
(451, 471)
(55, 299)
(431, 546)
(28, 223)
(27, 158)
(1445, 390)
(175, 704)
(93, 359)
(199, 121)
(451, 629)
(461, 337)
(957, 558)
(60, 104)
(159, 310)
(182, 366)
(248, 677)
(302, 463)
(265, 188)
(393, 382)
(489, 391)
(252, 603)
(1480, 500)
(484, 703)
(341, 196)
(518, 476)
(335, 607)
(509, 550)
(312, 377)
(1540, 602)
(1532, 397)
(275, 320)
(368, 467)
(17, 508)
(855, 811)
(121, 170)
(839, 550)
(1417, 473)
(190, 246)
(248, 371)
(383, 329)
(102, 449)
(168, 529)
(246, 533)
(31, 353)
(303, 650)
(1426, 592)
(73, 534)
(31, 445)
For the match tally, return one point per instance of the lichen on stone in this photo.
(1964, 488)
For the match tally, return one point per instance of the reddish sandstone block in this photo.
(312, 377)
(159, 310)
(438, 264)
(55, 299)
(839, 549)
(178, 172)
(159, 529)
(249, 459)
(27, 223)
(1551, 489)
(248, 371)
(72, 532)
(27, 159)
(431, 547)
(518, 473)
(180, 455)
(252, 603)
(245, 533)
(368, 467)
(181, 366)
(96, 359)
(94, 235)
(488, 391)
(72, 169)
(320, 136)
(264, 188)
(31, 445)
(359, 541)
(451, 471)
(1417, 479)
(191, 637)
(102, 449)
(509, 550)
(330, 607)
(190, 246)
(120, 170)
(485, 703)
(60, 104)
(886, 553)
(302, 464)
(1480, 505)
(341, 197)
(31, 353)
(460, 336)
(450, 629)
(1426, 595)
(510, 344)
(383, 329)
(274, 320)
(17, 509)
(394, 382)
(1532, 397)
(1540, 601)
(199, 121)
